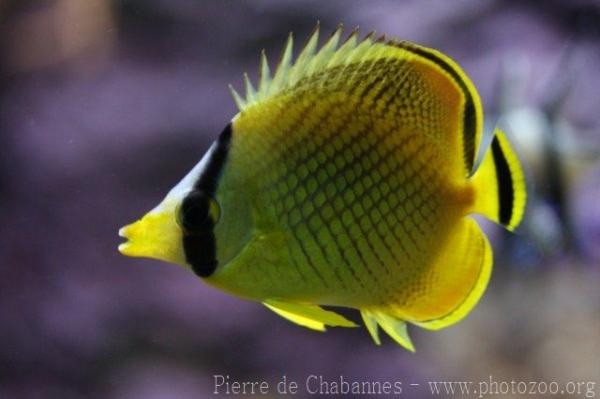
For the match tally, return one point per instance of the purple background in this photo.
(104, 106)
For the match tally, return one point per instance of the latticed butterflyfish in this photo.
(347, 179)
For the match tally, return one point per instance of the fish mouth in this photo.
(123, 247)
(134, 240)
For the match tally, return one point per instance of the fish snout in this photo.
(156, 236)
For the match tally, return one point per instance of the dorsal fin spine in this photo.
(348, 45)
(239, 101)
(324, 55)
(250, 91)
(359, 51)
(326, 51)
(304, 58)
(285, 63)
(265, 76)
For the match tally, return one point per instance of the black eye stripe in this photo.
(199, 245)
(194, 214)
(209, 178)
(200, 253)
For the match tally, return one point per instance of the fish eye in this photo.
(198, 213)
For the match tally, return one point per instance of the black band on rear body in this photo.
(200, 248)
(469, 114)
(505, 183)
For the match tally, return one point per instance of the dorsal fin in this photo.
(472, 120)
(313, 60)
(285, 62)
(309, 61)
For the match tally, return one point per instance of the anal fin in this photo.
(454, 283)
(458, 279)
(306, 315)
(394, 327)
(371, 324)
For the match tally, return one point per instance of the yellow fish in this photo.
(346, 179)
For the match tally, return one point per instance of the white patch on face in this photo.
(178, 193)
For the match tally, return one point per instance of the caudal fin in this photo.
(500, 184)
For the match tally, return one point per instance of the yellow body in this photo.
(348, 182)
(353, 206)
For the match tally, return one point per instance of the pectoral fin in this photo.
(310, 316)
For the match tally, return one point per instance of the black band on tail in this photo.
(505, 184)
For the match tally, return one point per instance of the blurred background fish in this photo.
(94, 93)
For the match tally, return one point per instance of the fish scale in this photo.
(357, 258)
